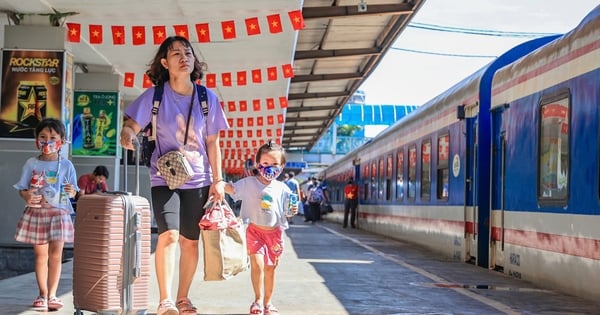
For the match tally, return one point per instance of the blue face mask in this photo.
(269, 172)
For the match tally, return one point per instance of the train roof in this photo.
(581, 43)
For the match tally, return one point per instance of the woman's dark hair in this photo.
(53, 124)
(269, 147)
(159, 75)
(101, 170)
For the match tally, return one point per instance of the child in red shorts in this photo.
(265, 202)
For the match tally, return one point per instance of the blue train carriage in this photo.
(545, 202)
(426, 178)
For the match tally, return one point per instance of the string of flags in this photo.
(204, 31)
(241, 77)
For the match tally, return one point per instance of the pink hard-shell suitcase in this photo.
(111, 255)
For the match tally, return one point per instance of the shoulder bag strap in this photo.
(156, 99)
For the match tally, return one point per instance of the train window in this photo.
(426, 170)
(442, 166)
(400, 175)
(388, 177)
(412, 172)
(366, 183)
(553, 159)
(374, 190)
(380, 179)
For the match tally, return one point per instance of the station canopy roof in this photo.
(283, 69)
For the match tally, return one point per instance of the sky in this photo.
(418, 77)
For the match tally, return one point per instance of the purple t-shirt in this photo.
(170, 129)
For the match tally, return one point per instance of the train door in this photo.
(470, 205)
(497, 190)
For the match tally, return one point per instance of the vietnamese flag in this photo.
(240, 133)
(252, 26)
(241, 78)
(249, 134)
(272, 73)
(280, 118)
(260, 121)
(211, 80)
(274, 23)
(128, 79)
(283, 103)
(269, 133)
(256, 105)
(230, 132)
(270, 120)
(228, 28)
(138, 33)
(118, 34)
(226, 78)
(250, 122)
(278, 134)
(95, 34)
(230, 122)
(203, 32)
(256, 76)
(259, 132)
(240, 122)
(231, 106)
(182, 30)
(243, 106)
(159, 33)
(288, 71)
(270, 103)
(147, 82)
(74, 35)
(296, 19)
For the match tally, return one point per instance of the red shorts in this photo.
(268, 243)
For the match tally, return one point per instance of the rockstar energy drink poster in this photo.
(32, 89)
(95, 123)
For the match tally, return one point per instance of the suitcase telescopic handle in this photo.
(136, 152)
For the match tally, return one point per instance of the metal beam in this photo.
(302, 119)
(303, 96)
(310, 108)
(327, 77)
(352, 10)
(332, 53)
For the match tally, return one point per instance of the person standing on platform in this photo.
(265, 203)
(294, 186)
(47, 183)
(317, 195)
(350, 203)
(181, 126)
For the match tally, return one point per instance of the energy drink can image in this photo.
(86, 125)
(31, 101)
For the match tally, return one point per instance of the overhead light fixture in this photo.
(362, 6)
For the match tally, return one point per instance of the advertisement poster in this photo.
(32, 89)
(95, 123)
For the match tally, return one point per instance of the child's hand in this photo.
(70, 189)
(31, 199)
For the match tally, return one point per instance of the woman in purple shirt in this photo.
(178, 211)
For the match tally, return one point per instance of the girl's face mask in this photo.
(269, 172)
(49, 147)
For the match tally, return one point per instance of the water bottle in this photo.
(293, 202)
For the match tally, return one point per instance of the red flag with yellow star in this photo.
(203, 32)
(159, 34)
(74, 35)
(95, 36)
(118, 34)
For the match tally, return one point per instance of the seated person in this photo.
(94, 182)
